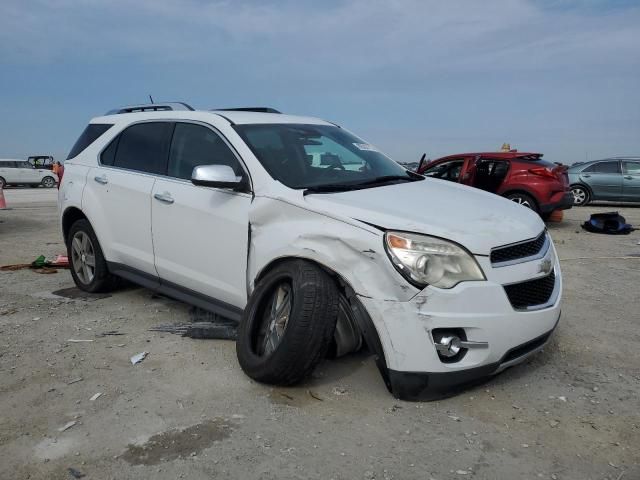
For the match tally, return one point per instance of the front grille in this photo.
(532, 292)
(518, 250)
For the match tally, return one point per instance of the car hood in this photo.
(473, 218)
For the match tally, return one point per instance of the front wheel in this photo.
(3, 183)
(48, 182)
(288, 324)
(524, 200)
(580, 195)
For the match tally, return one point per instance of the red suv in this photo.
(522, 177)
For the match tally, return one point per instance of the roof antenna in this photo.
(151, 98)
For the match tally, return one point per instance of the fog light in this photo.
(448, 345)
(452, 344)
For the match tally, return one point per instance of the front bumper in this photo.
(413, 386)
(413, 369)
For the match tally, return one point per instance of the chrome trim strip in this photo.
(543, 251)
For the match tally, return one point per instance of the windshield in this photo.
(311, 156)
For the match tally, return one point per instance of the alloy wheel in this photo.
(522, 201)
(579, 196)
(48, 182)
(276, 318)
(83, 258)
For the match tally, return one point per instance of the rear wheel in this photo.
(581, 195)
(288, 324)
(523, 199)
(88, 265)
(3, 183)
(48, 182)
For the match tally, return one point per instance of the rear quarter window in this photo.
(87, 137)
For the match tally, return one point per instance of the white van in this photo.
(21, 172)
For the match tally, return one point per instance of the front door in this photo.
(201, 234)
(631, 180)
(28, 174)
(605, 180)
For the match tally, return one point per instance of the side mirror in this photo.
(219, 176)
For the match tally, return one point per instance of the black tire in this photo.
(101, 280)
(523, 199)
(308, 330)
(48, 182)
(581, 195)
(3, 182)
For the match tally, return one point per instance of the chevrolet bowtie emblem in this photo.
(545, 266)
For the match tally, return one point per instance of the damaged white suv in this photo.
(313, 240)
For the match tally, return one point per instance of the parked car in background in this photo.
(524, 178)
(311, 239)
(613, 179)
(21, 172)
(41, 161)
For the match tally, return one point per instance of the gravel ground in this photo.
(188, 411)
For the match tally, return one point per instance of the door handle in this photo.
(101, 180)
(163, 197)
(628, 177)
(586, 175)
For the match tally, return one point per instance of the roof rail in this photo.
(249, 109)
(151, 107)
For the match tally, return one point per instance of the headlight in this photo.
(425, 260)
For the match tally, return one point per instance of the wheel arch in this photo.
(583, 185)
(522, 190)
(359, 313)
(69, 217)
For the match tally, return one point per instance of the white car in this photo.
(21, 172)
(313, 240)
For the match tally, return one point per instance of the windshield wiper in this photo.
(388, 178)
(345, 187)
(328, 188)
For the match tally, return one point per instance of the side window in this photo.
(108, 155)
(195, 145)
(144, 147)
(87, 137)
(25, 165)
(447, 170)
(603, 167)
(631, 168)
(437, 170)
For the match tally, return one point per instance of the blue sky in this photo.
(411, 76)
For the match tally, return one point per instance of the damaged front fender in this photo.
(353, 251)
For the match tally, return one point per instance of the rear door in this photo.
(604, 178)
(201, 234)
(117, 195)
(8, 171)
(631, 180)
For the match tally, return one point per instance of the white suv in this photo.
(313, 240)
(21, 172)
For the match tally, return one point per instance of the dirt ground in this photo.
(188, 411)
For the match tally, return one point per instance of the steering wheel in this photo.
(336, 166)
